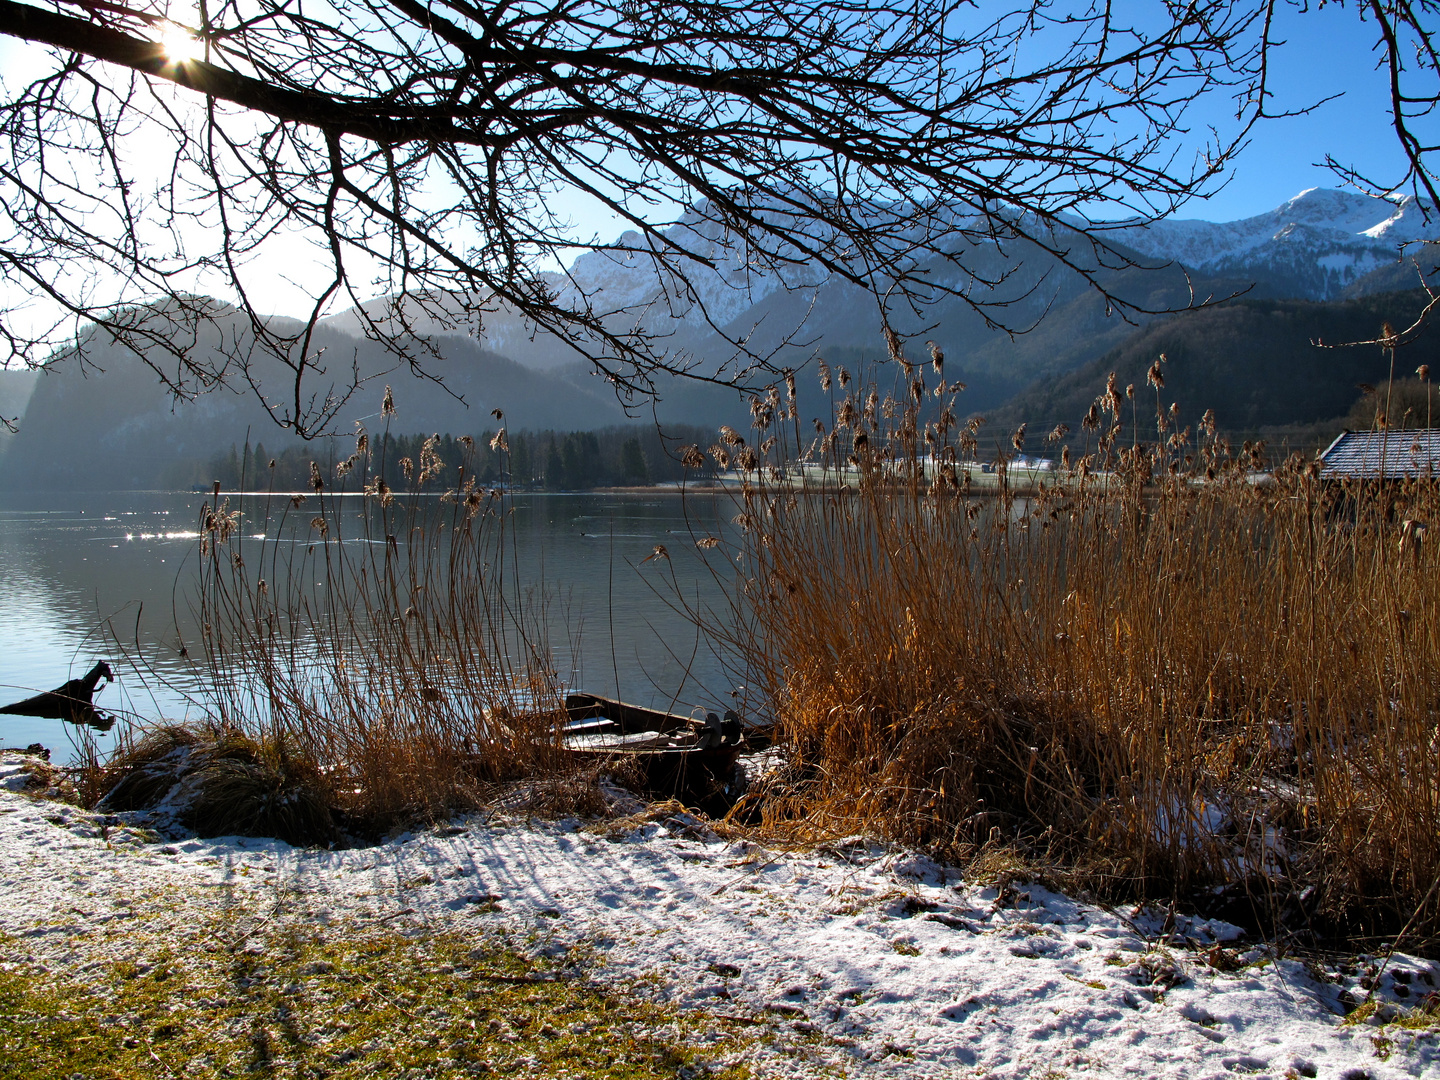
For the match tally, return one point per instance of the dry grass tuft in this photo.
(144, 771)
(220, 782)
(592, 793)
(254, 789)
(670, 813)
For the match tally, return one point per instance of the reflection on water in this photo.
(86, 576)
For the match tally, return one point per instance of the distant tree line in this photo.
(548, 460)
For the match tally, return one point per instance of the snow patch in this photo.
(889, 964)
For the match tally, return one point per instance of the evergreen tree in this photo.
(573, 463)
(229, 472)
(554, 468)
(632, 463)
(521, 471)
(592, 463)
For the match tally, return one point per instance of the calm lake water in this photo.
(113, 575)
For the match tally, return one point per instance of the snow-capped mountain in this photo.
(1316, 246)
(1311, 247)
(719, 281)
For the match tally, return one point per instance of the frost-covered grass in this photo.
(671, 947)
(300, 1002)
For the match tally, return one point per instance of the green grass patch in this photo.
(298, 1004)
(1420, 1018)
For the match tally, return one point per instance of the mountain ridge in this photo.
(123, 429)
(1251, 360)
(118, 428)
(1315, 246)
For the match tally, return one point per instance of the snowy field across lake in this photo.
(849, 960)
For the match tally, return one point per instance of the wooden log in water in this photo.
(71, 702)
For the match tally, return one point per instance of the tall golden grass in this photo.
(1153, 669)
(385, 639)
(1157, 669)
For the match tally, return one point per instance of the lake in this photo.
(112, 575)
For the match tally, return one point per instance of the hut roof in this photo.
(1394, 455)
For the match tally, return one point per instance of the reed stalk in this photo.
(384, 638)
(1161, 670)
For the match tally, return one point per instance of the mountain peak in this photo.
(1318, 243)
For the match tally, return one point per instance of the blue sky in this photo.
(1327, 51)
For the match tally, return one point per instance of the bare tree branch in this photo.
(419, 147)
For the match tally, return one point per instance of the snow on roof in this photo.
(1393, 455)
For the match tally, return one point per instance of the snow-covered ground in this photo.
(886, 962)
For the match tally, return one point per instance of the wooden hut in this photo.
(1383, 455)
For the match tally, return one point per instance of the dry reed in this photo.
(384, 638)
(1153, 670)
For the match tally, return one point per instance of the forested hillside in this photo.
(1261, 365)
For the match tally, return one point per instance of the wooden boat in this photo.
(693, 758)
(594, 714)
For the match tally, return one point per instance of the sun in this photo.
(180, 45)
